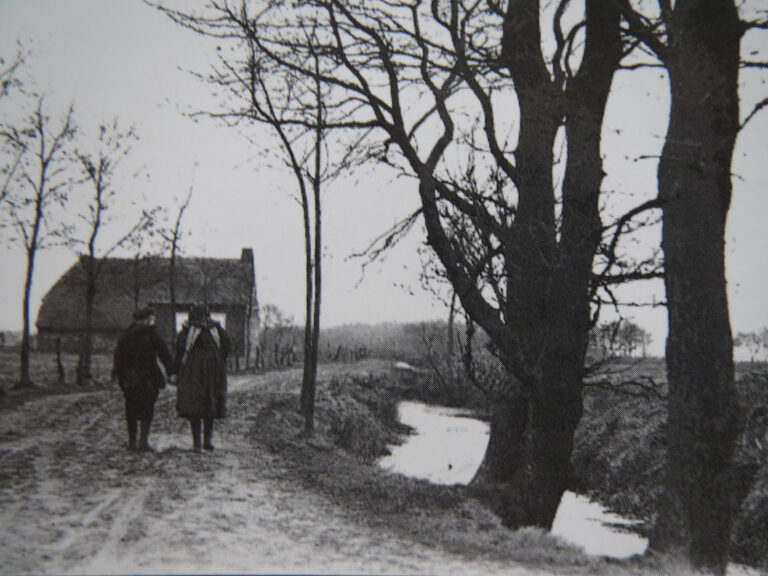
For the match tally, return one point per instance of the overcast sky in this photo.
(121, 58)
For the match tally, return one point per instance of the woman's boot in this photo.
(194, 424)
(144, 436)
(132, 427)
(208, 434)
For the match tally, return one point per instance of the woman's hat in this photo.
(199, 313)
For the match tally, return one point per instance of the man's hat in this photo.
(143, 314)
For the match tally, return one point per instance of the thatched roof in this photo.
(217, 281)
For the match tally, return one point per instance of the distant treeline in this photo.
(413, 342)
(409, 342)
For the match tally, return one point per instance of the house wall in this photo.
(235, 326)
(164, 325)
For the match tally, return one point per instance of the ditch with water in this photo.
(447, 447)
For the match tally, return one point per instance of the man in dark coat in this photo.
(202, 348)
(139, 374)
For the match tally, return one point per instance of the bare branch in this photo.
(757, 108)
(644, 31)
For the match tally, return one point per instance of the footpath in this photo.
(74, 500)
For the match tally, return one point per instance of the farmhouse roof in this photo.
(216, 281)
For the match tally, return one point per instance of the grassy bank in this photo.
(355, 421)
(621, 446)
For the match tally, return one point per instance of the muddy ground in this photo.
(73, 499)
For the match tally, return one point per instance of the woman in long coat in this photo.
(202, 348)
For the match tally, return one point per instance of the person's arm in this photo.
(165, 356)
(117, 360)
(181, 342)
(226, 342)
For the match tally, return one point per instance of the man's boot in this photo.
(208, 434)
(144, 436)
(132, 426)
(194, 424)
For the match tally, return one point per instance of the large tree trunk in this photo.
(532, 431)
(530, 251)
(557, 401)
(695, 188)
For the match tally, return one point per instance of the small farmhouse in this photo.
(124, 285)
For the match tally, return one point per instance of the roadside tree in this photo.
(698, 41)
(38, 150)
(98, 170)
(173, 236)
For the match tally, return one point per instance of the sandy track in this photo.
(74, 500)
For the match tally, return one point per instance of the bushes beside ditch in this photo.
(620, 448)
(359, 418)
(354, 410)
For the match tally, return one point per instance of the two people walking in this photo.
(198, 370)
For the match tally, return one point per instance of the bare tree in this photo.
(39, 181)
(173, 235)
(698, 41)
(99, 168)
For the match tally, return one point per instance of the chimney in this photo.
(247, 256)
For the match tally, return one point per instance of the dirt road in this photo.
(74, 500)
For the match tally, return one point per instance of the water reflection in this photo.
(446, 447)
(589, 525)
